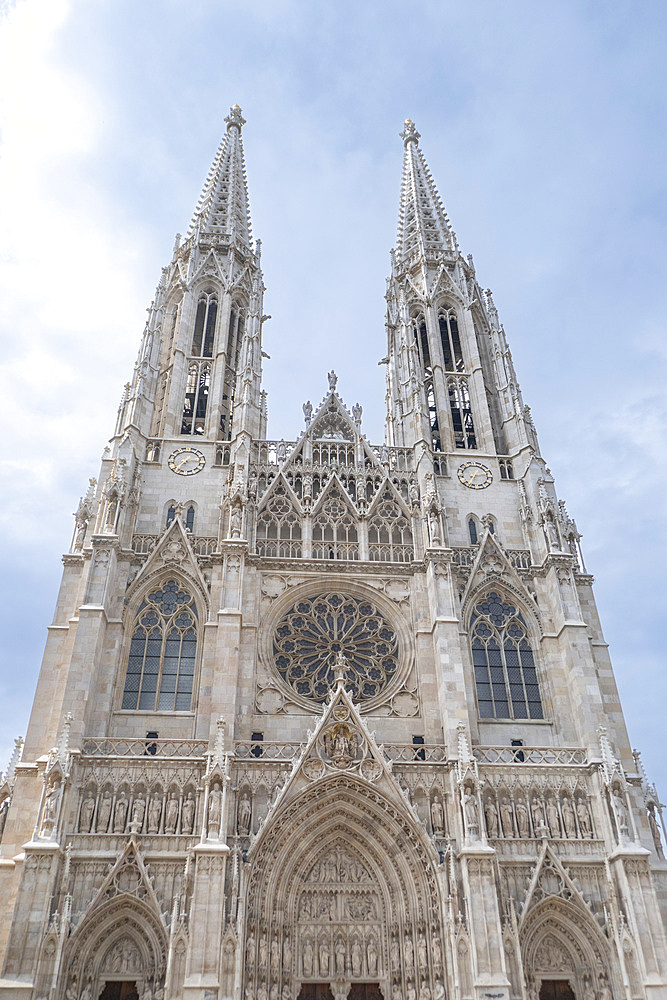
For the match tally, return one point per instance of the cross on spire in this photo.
(223, 205)
(423, 226)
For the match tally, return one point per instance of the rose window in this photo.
(317, 629)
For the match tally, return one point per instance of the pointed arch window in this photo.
(204, 334)
(451, 342)
(472, 530)
(196, 398)
(279, 528)
(503, 660)
(163, 649)
(335, 531)
(462, 422)
(389, 534)
(421, 338)
(234, 340)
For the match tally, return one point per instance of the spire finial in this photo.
(410, 133)
(235, 118)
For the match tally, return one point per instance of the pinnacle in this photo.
(423, 225)
(223, 205)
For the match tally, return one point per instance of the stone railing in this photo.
(265, 750)
(143, 545)
(109, 746)
(397, 459)
(411, 753)
(544, 756)
(518, 558)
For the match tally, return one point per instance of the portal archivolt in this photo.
(343, 887)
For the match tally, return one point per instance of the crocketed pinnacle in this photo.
(223, 205)
(423, 226)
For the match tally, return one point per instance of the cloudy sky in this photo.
(543, 126)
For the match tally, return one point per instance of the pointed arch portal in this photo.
(343, 889)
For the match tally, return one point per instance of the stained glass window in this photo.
(317, 629)
(505, 672)
(161, 664)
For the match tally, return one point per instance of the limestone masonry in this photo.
(323, 718)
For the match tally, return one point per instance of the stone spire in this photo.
(223, 205)
(423, 226)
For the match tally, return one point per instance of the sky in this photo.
(543, 126)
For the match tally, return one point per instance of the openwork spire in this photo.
(423, 226)
(223, 205)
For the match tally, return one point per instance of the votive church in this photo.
(323, 719)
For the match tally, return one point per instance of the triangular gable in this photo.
(173, 549)
(334, 487)
(280, 481)
(550, 879)
(341, 743)
(444, 283)
(210, 266)
(128, 876)
(388, 491)
(332, 421)
(492, 564)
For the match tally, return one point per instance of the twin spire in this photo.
(423, 226)
(223, 206)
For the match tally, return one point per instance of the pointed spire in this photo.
(223, 205)
(423, 226)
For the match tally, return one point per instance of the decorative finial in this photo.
(235, 118)
(409, 133)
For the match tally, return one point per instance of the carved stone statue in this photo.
(214, 810)
(470, 812)
(308, 958)
(553, 819)
(568, 818)
(250, 950)
(604, 993)
(324, 958)
(371, 956)
(120, 813)
(589, 992)
(333, 380)
(538, 818)
(410, 992)
(491, 814)
(275, 953)
(424, 991)
(339, 950)
(104, 812)
(395, 953)
(655, 829)
(188, 815)
(422, 954)
(436, 950)
(437, 815)
(138, 812)
(243, 817)
(621, 811)
(236, 521)
(356, 958)
(308, 411)
(356, 413)
(263, 950)
(171, 814)
(86, 814)
(521, 810)
(584, 817)
(408, 951)
(50, 810)
(507, 817)
(154, 813)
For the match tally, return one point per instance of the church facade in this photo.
(322, 718)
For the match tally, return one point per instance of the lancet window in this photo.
(459, 401)
(503, 660)
(335, 531)
(196, 398)
(279, 528)
(207, 311)
(421, 338)
(389, 534)
(472, 531)
(189, 516)
(451, 342)
(234, 340)
(163, 649)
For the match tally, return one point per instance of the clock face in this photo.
(186, 461)
(474, 475)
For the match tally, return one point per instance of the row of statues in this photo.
(322, 958)
(137, 811)
(556, 816)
